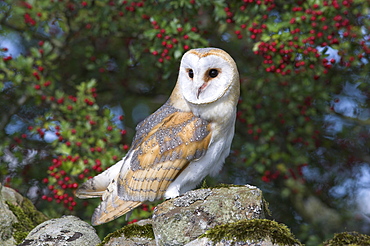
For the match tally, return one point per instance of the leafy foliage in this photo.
(81, 60)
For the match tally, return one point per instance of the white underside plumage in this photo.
(210, 164)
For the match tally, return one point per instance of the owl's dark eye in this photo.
(213, 73)
(191, 73)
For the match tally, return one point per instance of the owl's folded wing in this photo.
(156, 162)
(162, 155)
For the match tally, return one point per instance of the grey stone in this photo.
(181, 220)
(7, 218)
(21, 208)
(65, 231)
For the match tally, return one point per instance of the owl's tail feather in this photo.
(88, 190)
(96, 186)
(112, 206)
(111, 209)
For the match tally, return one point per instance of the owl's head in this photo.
(206, 75)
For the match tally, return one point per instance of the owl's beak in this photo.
(200, 89)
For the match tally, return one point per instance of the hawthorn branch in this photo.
(36, 35)
(5, 23)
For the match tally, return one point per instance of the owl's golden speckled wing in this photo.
(164, 152)
(156, 161)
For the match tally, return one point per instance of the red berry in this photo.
(7, 58)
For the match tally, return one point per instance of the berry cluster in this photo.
(28, 18)
(294, 173)
(67, 170)
(298, 51)
(292, 47)
(168, 41)
(61, 182)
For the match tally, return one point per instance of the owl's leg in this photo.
(172, 191)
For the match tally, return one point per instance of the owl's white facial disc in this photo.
(205, 77)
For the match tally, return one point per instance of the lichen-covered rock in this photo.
(255, 232)
(18, 216)
(7, 219)
(66, 231)
(208, 242)
(181, 220)
(140, 233)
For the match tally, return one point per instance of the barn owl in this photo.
(177, 146)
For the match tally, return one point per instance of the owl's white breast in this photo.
(210, 164)
(221, 114)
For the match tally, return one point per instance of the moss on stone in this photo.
(32, 213)
(131, 231)
(252, 230)
(218, 186)
(349, 238)
(28, 218)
